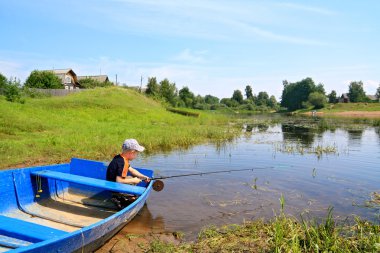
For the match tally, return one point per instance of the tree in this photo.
(317, 99)
(272, 102)
(295, 94)
(43, 80)
(320, 89)
(248, 92)
(186, 96)
(229, 102)
(378, 92)
(262, 98)
(153, 88)
(356, 92)
(332, 97)
(3, 82)
(211, 100)
(199, 103)
(237, 96)
(168, 91)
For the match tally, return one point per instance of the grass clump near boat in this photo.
(93, 123)
(284, 234)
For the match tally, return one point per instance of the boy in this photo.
(119, 167)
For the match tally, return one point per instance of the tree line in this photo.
(168, 92)
(306, 94)
(297, 95)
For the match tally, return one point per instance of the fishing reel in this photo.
(158, 185)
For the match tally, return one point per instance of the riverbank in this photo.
(346, 110)
(92, 124)
(281, 234)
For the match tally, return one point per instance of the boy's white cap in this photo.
(132, 144)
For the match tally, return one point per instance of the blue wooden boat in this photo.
(63, 207)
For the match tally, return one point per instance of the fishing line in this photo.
(158, 185)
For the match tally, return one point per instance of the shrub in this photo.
(317, 99)
(3, 83)
(89, 83)
(43, 80)
(12, 91)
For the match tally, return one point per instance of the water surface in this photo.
(283, 163)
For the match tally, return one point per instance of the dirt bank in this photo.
(135, 243)
(348, 114)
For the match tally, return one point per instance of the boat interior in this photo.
(46, 202)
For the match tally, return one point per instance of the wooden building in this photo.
(344, 98)
(68, 78)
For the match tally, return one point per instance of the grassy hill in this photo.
(92, 124)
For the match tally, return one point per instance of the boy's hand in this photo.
(147, 179)
(136, 180)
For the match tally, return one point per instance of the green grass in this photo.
(92, 124)
(284, 234)
(343, 107)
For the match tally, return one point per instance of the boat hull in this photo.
(86, 239)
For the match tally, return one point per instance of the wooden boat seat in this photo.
(27, 231)
(12, 243)
(99, 183)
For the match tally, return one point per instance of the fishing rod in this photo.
(158, 185)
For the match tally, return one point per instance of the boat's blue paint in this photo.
(98, 183)
(18, 188)
(27, 231)
(7, 192)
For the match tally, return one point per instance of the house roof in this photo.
(344, 95)
(64, 72)
(372, 97)
(99, 78)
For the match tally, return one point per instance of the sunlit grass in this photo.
(341, 107)
(93, 124)
(284, 234)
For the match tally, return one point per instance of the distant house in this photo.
(99, 78)
(373, 98)
(344, 98)
(68, 78)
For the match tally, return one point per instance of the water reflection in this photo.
(355, 136)
(298, 133)
(145, 222)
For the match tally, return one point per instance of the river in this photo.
(310, 169)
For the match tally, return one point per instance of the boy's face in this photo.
(130, 154)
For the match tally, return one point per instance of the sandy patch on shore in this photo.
(349, 114)
(357, 114)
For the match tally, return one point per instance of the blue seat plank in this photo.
(27, 231)
(108, 185)
(13, 243)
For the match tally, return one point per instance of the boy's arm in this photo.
(128, 180)
(136, 173)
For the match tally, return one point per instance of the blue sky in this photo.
(213, 47)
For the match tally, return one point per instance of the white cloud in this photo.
(192, 57)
